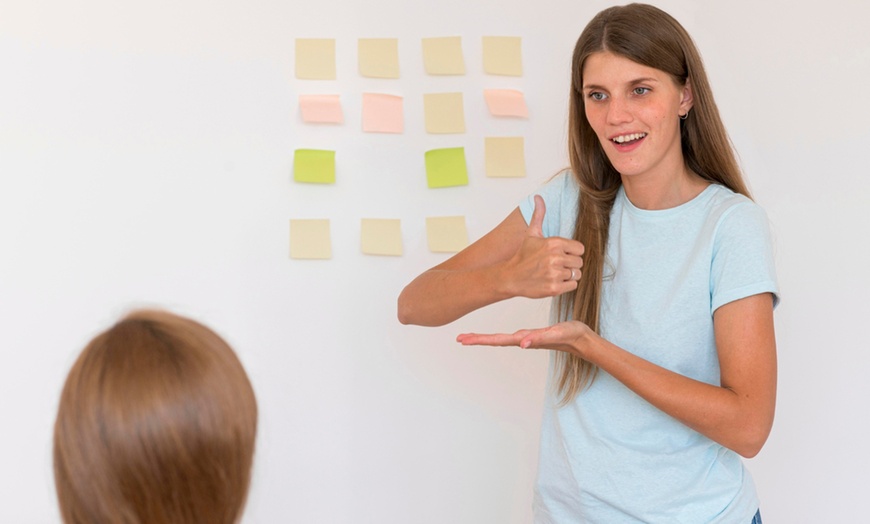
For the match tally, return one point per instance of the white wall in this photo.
(145, 159)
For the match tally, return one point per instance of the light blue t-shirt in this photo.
(610, 457)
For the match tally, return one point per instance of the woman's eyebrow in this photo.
(643, 80)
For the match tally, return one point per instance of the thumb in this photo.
(536, 224)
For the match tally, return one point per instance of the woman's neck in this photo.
(659, 192)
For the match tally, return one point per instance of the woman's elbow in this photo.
(403, 311)
(752, 440)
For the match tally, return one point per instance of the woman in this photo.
(156, 425)
(664, 369)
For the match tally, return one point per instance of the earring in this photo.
(685, 116)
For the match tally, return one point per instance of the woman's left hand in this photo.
(569, 337)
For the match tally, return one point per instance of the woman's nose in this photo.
(618, 111)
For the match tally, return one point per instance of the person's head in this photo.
(650, 38)
(617, 44)
(156, 424)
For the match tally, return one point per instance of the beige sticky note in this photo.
(378, 57)
(444, 113)
(506, 102)
(443, 56)
(382, 113)
(309, 238)
(502, 55)
(446, 234)
(381, 236)
(505, 156)
(325, 109)
(315, 58)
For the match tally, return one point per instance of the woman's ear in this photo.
(688, 99)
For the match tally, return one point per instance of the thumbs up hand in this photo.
(544, 267)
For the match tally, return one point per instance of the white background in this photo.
(145, 159)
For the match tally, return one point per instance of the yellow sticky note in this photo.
(382, 113)
(446, 234)
(506, 102)
(443, 56)
(446, 167)
(324, 109)
(444, 113)
(315, 166)
(381, 236)
(378, 57)
(309, 238)
(315, 58)
(502, 55)
(505, 156)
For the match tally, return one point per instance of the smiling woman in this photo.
(631, 108)
(664, 362)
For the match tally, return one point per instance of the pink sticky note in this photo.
(322, 109)
(506, 102)
(382, 113)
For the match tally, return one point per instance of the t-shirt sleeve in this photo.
(743, 263)
(560, 197)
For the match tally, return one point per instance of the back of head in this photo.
(156, 424)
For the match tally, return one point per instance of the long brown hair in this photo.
(156, 424)
(650, 37)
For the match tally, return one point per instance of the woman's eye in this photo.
(595, 95)
(640, 90)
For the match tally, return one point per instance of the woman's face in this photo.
(635, 112)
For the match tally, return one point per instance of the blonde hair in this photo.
(156, 424)
(650, 37)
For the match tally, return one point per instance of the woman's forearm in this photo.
(718, 413)
(440, 296)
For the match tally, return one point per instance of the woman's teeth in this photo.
(629, 138)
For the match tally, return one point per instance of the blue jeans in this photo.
(757, 518)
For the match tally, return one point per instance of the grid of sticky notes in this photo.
(383, 112)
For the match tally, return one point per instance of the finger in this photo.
(536, 224)
(495, 339)
(489, 340)
(573, 274)
(572, 247)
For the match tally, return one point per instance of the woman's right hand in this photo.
(544, 267)
(514, 259)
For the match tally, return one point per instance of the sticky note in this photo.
(382, 113)
(505, 156)
(324, 109)
(309, 238)
(381, 236)
(316, 166)
(506, 102)
(443, 56)
(446, 234)
(446, 167)
(502, 55)
(378, 57)
(444, 113)
(315, 58)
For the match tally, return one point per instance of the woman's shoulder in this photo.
(560, 196)
(724, 202)
(735, 215)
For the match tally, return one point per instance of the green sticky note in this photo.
(446, 167)
(314, 166)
